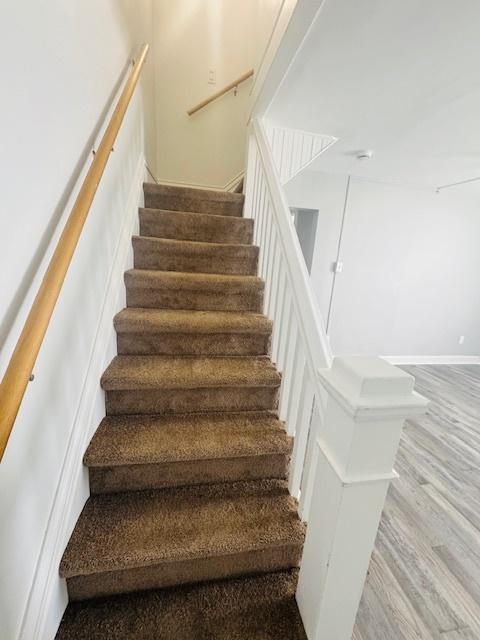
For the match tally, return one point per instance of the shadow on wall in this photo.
(132, 20)
(36, 261)
(136, 25)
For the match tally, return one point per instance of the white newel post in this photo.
(368, 401)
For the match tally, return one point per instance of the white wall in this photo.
(401, 78)
(411, 276)
(325, 193)
(65, 62)
(206, 149)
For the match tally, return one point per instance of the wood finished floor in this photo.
(424, 576)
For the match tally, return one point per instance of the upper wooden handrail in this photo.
(20, 367)
(222, 92)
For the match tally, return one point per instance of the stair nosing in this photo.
(267, 379)
(186, 525)
(260, 324)
(193, 275)
(128, 462)
(158, 562)
(206, 283)
(196, 213)
(252, 385)
(251, 500)
(193, 193)
(192, 243)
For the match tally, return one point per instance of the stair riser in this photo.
(261, 607)
(173, 226)
(195, 300)
(197, 205)
(213, 263)
(184, 572)
(176, 474)
(141, 401)
(216, 344)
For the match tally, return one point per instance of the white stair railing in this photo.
(299, 342)
(346, 415)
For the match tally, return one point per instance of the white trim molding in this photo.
(230, 186)
(48, 596)
(387, 392)
(432, 359)
(192, 185)
(346, 418)
(294, 150)
(294, 21)
(368, 401)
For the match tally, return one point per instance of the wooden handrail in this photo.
(20, 367)
(222, 92)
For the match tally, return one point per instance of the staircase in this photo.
(190, 531)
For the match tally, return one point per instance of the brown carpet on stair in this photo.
(197, 200)
(158, 475)
(191, 344)
(132, 529)
(181, 321)
(170, 384)
(179, 332)
(151, 539)
(182, 225)
(147, 439)
(253, 608)
(205, 291)
(188, 471)
(138, 452)
(194, 257)
(193, 281)
(188, 372)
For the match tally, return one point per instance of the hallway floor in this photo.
(424, 577)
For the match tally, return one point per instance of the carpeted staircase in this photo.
(190, 532)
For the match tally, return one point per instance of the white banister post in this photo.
(368, 400)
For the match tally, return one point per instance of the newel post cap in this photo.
(368, 387)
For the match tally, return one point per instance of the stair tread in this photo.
(171, 245)
(252, 608)
(191, 281)
(189, 467)
(194, 256)
(193, 193)
(122, 440)
(189, 372)
(194, 200)
(187, 225)
(140, 320)
(213, 219)
(127, 530)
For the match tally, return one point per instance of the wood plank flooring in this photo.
(424, 576)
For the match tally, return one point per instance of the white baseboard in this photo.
(212, 187)
(192, 185)
(230, 186)
(432, 359)
(48, 597)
